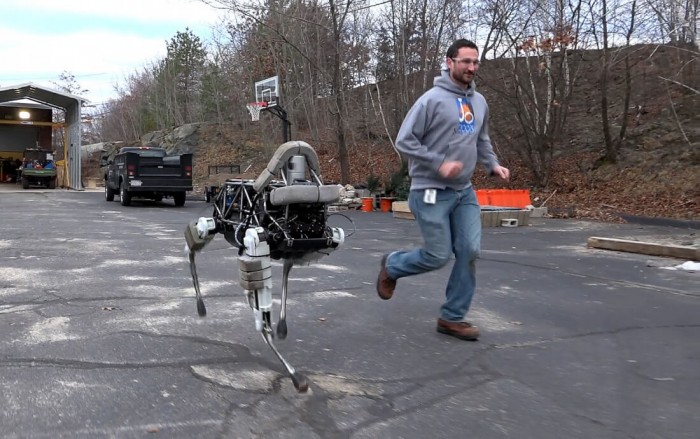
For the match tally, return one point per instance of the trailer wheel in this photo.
(124, 195)
(179, 198)
(109, 193)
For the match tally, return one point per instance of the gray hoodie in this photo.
(446, 123)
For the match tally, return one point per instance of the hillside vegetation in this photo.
(656, 172)
(593, 104)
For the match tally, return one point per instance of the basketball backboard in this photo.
(267, 90)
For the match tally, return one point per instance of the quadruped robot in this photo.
(280, 215)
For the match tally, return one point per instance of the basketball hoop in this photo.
(254, 108)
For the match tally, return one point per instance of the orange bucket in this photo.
(385, 204)
(367, 204)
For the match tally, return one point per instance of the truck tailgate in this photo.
(157, 167)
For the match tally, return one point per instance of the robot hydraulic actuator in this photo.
(282, 215)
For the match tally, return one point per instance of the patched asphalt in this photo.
(100, 335)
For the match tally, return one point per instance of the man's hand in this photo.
(501, 172)
(450, 169)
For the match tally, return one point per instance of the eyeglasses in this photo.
(467, 61)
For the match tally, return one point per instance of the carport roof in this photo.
(40, 94)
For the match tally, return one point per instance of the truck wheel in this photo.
(25, 183)
(124, 195)
(52, 183)
(109, 193)
(179, 199)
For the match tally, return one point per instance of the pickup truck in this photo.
(147, 172)
(38, 169)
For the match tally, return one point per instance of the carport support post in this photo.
(64, 174)
(73, 122)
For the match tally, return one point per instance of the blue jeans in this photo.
(452, 224)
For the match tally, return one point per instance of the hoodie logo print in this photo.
(466, 116)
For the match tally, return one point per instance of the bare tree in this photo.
(128, 116)
(678, 20)
(311, 52)
(68, 83)
(617, 20)
(499, 19)
(540, 84)
(409, 47)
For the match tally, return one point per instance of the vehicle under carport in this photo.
(26, 121)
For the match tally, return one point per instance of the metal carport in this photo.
(71, 104)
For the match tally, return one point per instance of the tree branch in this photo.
(680, 83)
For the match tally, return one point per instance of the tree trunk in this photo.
(610, 150)
(339, 92)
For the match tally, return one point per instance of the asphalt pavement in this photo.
(100, 335)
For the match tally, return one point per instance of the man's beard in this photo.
(460, 78)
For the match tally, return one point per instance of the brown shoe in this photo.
(385, 284)
(461, 330)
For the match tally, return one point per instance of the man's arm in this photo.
(409, 141)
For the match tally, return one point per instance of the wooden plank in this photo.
(403, 215)
(646, 248)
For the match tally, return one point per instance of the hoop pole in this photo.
(278, 111)
(254, 108)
